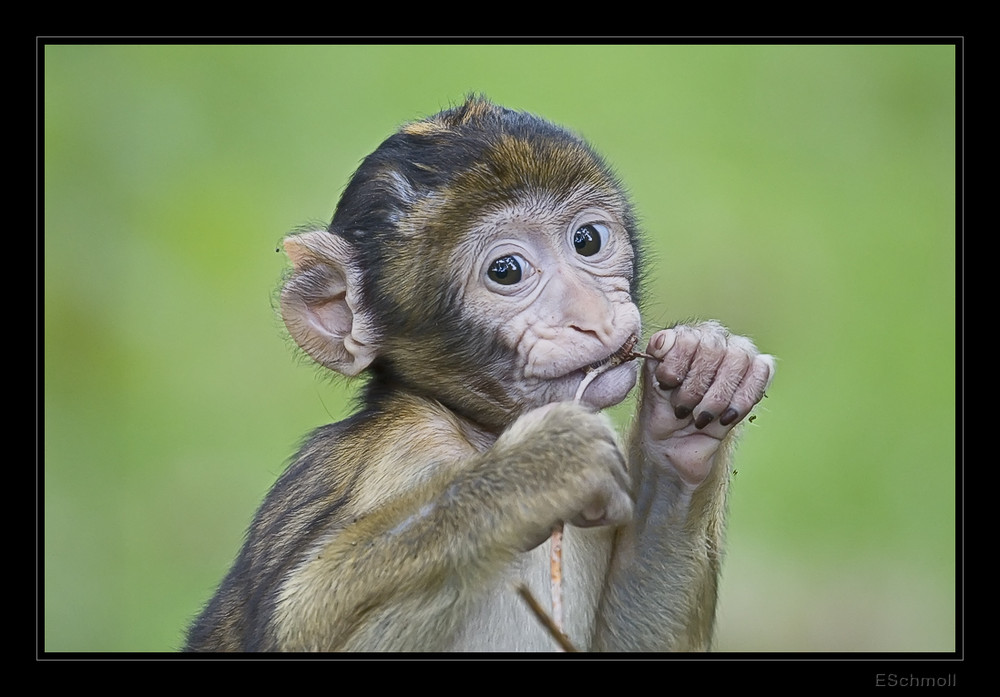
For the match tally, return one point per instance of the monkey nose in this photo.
(602, 331)
(581, 307)
(593, 317)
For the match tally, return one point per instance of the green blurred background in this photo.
(804, 195)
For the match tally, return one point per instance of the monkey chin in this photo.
(610, 387)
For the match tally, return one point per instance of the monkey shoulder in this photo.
(341, 470)
(341, 473)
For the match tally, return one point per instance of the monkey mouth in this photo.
(624, 354)
(613, 389)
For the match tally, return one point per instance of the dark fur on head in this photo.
(411, 201)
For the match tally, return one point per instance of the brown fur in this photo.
(408, 526)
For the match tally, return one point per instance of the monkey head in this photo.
(483, 257)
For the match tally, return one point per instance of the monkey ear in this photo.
(320, 302)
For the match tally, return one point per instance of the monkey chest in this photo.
(499, 619)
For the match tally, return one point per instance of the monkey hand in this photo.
(570, 469)
(702, 383)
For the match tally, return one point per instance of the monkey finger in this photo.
(610, 503)
(614, 509)
(660, 343)
(728, 377)
(750, 391)
(702, 372)
(675, 348)
(619, 511)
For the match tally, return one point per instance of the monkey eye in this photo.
(589, 239)
(507, 270)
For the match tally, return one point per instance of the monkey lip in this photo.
(622, 355)
(608, 384)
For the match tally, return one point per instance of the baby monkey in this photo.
(481, 273)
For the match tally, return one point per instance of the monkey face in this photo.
(553, 278)
(483, 258)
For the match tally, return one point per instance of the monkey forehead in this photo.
(513, 168)
(462, 161)
(541, 176)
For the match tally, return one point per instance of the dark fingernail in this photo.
(682, 412)
(703, 419)
(667, 385)
(728, 416)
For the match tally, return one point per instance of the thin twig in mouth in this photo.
(622, 355)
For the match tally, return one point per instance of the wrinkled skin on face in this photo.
(556, 283)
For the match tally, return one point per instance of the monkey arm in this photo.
(661, 589)
(404, 575)
(394, 580)
(662, 586)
